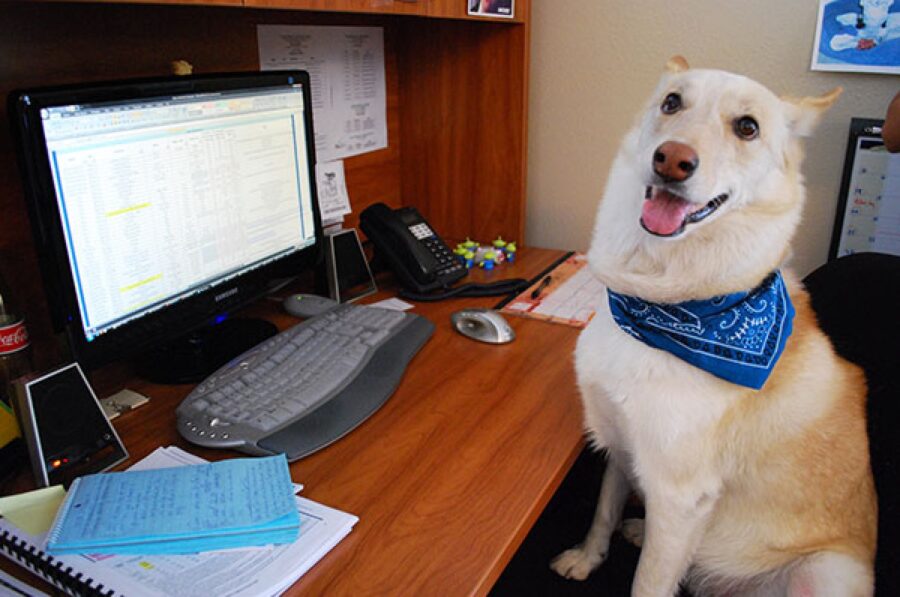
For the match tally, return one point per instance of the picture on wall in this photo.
(492, 8)
(858, 36)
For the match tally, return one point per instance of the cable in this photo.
(501, 287)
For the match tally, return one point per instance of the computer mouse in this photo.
(308, 305)
(484, 325)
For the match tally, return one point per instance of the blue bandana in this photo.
(737, 337)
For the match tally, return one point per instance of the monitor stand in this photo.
(193, 357)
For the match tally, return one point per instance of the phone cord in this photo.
(498, 288)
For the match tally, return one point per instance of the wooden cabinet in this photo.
(441, 8)
(176, 2)
(444, 9)
(457, 91)
(447, 9)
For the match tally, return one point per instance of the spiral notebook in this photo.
(232, 573)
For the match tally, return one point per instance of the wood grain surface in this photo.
(448, 476)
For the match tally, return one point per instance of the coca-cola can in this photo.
(13, 337)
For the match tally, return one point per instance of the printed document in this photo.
(254, 572)
(346, 71)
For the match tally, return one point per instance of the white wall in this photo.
(594, 62)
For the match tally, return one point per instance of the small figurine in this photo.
(510, 250)
(488, 257)
(500, 245)
(470, 244)
(488, 260)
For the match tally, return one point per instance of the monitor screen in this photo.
(159, 206)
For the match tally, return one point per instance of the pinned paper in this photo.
(34, 511)
(346, 71)
(334, 201)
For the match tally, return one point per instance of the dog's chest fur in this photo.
(646, 403)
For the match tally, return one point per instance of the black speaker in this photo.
(349, 275)
(67, 433)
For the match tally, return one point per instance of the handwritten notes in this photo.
(233, 503)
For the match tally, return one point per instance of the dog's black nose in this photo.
(674, 161)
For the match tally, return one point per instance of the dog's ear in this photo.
(677, 64)
(805, 112)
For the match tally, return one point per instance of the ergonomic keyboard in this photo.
(306, 387)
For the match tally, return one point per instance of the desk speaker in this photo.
(64, 426)
(349, 275)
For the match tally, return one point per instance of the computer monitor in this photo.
(159, 207)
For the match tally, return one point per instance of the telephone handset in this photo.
(421, 259)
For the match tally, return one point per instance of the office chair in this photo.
(854, 298)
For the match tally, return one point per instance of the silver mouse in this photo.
(484, 325)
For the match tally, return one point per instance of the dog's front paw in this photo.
(576, 563)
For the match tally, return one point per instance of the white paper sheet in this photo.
(346, 70)
(334, 201)
(872, 211)
(231, 573)
(394, 304)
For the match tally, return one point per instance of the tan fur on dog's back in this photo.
(780, 459)
(747, 492)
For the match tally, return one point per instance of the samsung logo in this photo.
(226, 294)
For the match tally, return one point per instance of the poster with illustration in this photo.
(492, 8)
(858, 36)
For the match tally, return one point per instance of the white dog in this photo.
(708, 381)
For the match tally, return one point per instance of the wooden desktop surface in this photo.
(450, 474)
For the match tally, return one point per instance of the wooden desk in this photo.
(450, 474)
(448, 477)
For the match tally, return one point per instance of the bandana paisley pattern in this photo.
(738, 337)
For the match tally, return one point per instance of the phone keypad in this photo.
(421, 231)
(448, 264)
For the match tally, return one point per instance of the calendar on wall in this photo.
(868, 213)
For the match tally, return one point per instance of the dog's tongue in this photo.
(664, 212)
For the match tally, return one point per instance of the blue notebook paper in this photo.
(243, 502)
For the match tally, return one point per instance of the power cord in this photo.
(498, 288)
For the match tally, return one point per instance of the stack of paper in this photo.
(243, 502)
(256, 572)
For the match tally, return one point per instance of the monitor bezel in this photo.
(203, 309)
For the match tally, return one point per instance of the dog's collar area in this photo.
(667, 214)
(737, 337)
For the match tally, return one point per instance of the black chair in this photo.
(854, 298)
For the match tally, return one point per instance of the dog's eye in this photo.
(671, 104)
(746, 127)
